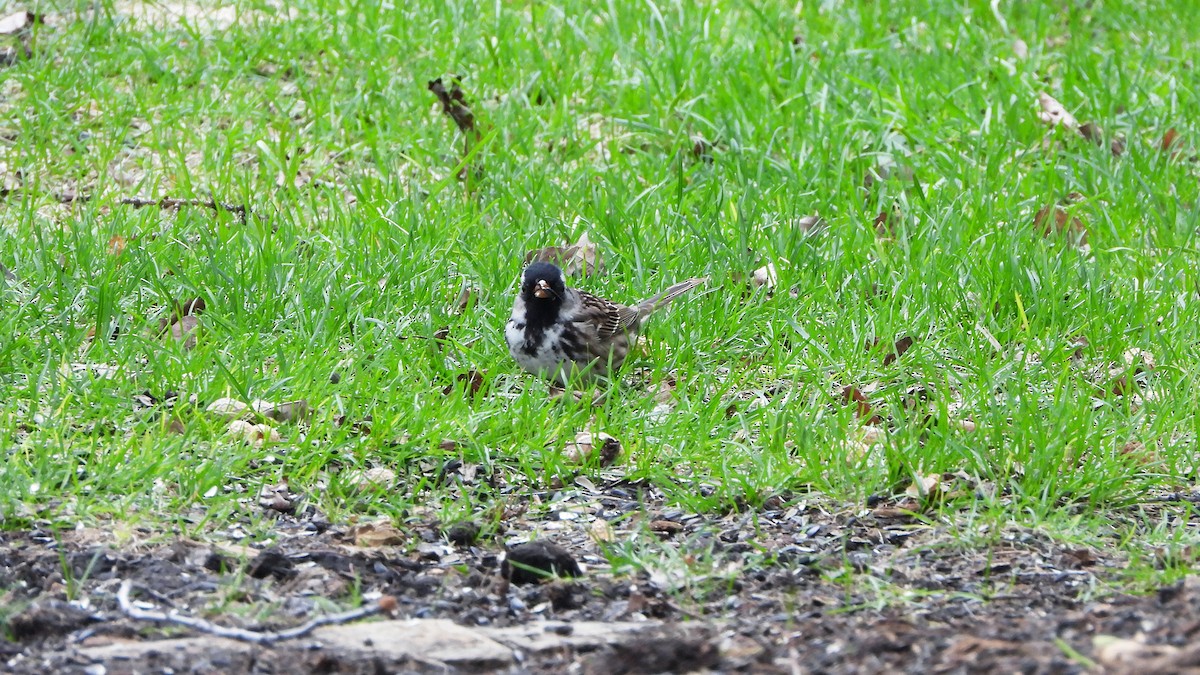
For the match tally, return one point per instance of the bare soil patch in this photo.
(804, 590)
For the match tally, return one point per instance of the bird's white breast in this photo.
(547, 358)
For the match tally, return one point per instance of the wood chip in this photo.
(1054, 114)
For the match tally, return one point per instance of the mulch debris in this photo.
(801, 587)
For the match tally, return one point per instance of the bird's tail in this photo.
(663, 299)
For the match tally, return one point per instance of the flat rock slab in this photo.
(535, 638)
(431, 640)
(414, 645)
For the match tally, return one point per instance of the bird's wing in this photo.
(608, 318)
(645, 307)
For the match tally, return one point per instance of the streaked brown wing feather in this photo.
(608, 317)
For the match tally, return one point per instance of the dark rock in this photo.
(271, 563)
(462, 534)
(537, 561)
(48, 618)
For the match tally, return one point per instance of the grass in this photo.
(361, 239)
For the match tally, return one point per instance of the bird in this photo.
(561, 333)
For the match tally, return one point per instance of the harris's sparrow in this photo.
(562, 332)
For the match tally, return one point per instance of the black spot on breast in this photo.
(572, 345)
(535, 336)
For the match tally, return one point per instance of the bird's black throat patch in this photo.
(541, 313)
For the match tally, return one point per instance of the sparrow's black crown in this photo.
(542, 271)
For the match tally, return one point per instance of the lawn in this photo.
(951, 251)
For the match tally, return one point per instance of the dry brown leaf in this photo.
(866, 441)
(285, 180)
(898, 348)
(1169, 140)
(374, 478)
(184, 330)
(1078, 343)
(581, 258)
(17, 22)
(957, 485)
(276, 498)
(1139, 359)
(117, 245)
(857, 451)
(924, 486)
(965, 425)
(588, 446)
(765, 276)
(904, 509)
(1133, 448)
(471, 381)
(254, 434)
(465, 297)
(112, 336)
(1115, 651)
(702, 149)
(454, 105)
(884, 227)
(378, 533)
(892, 513)
(1117, 146)
(1121, 385)
(10, 180)
(872, 435)
(291, 411)
(1054, 114)
(440, 336)
(1078, 558)
(966, 648)
(228, 407)
(810, 224)
(665, 393)
(665, 526)
(1092, 132)
(361, 427)
(192, 307)
(1060, 223)
(182, 324)
(1127, 378)
(1056, 41)
(852, 394)
(601, 531)
(986, 489)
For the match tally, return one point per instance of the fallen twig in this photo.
(169, 203)
(385, 604)
(454, 104)
(65, 197)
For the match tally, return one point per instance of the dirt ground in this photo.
(796, 588)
